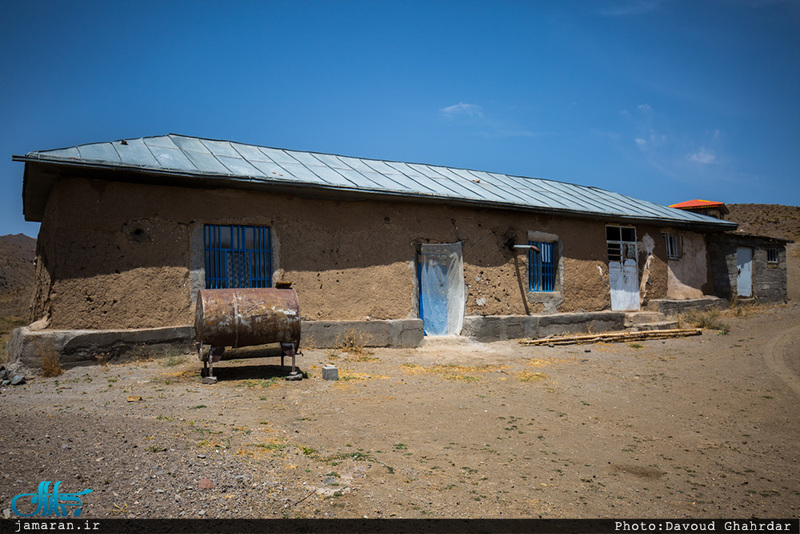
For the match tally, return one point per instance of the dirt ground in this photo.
(694, 427)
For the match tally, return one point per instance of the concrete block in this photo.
(330, 372)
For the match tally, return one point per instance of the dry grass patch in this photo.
(272, 446)
(188, 373)
(527, 376)
(751, 308)
(453, 372)
(540, 362)
(353, 342)
(351, 377)
(709, 320)
(51, 360)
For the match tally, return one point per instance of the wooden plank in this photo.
(614, 336)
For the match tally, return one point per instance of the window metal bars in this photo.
(542, 267)
(672, 243)
(237, 256)
(772, 255)
(621, 243)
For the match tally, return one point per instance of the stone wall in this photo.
(769, 279)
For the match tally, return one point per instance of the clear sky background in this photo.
(660, 100)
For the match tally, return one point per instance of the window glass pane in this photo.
(612, 233)
(628, 234)
(224, 235)
(671, 242)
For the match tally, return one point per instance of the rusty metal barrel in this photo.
(246, 317)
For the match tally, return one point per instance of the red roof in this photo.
(695, 204)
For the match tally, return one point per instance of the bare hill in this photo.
(16, 262)
(772, 220)
(17, 253)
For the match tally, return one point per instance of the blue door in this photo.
(433, 296)
(441, 289)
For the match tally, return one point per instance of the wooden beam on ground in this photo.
(644, 335)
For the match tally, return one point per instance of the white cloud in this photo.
(473, 115)
(640, 141)
(644, 107)
(471, 110)
(703, 156)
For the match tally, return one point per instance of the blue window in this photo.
(542, 267)
(237, 256)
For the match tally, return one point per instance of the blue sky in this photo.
(661, 100)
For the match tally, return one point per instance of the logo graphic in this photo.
(47, 503)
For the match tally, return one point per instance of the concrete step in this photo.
(658, 325)
(643, 317)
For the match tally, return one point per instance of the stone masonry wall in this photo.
(769, 279)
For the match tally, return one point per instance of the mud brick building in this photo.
(743, 266)
(132, 229)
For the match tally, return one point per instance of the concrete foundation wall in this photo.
(498, 328)
(671, 308)
(400, 333)
(77, 347)
(119, 255)
(72, 347)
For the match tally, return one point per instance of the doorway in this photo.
(442, 296)
(744, 276)
(623, 268)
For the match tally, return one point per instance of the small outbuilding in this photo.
(743, 266)
(132, 229)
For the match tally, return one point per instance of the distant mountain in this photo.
(17, 253)
(16, 283)
(774, 220)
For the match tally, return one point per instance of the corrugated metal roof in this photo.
(232, 162)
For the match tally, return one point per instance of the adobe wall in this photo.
(653, 275)
(117, 255)
(108, 261)
(688, 275)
